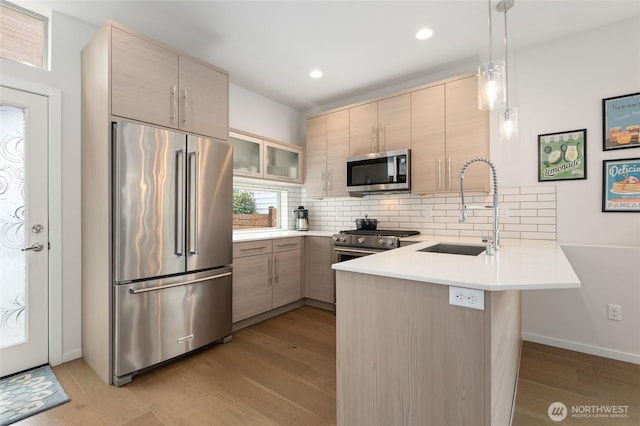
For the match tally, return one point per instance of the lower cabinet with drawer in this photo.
(266, 275)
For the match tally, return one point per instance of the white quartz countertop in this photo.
(519, 265)
(268, 235)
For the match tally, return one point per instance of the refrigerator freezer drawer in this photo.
(157, 320)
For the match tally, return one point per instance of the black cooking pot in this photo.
(367, 224)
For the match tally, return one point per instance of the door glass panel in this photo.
(12, 232)
(246, 155)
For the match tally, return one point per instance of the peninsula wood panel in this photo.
(405, 356)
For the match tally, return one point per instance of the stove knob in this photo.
(335, 238)
(389, 242)
(381, 242)
(361, 240)
(343, 239)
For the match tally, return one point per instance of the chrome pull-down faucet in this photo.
(494, 245)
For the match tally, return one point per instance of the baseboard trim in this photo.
(70, 356)
(580, 347)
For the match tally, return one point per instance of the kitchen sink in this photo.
(467, 250)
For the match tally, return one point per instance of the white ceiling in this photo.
(270, 47)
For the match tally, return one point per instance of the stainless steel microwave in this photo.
(379, 172)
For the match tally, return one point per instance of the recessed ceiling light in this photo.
(424, 33)
(315, 74)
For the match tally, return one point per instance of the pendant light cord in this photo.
(506, 61)
(490, 34)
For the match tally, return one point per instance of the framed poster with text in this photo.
(562, 156)
(621, 185)
(621, 122)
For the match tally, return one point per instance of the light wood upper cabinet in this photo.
(447, 130)
(363, 129)
(467, 133)
(144, 80)
(327, 150)
(384, 125)
(157, 85)
(316, 156)
(428, 152)
(204, 94)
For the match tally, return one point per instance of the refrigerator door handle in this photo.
(179, 204)
(193, 201)
(162, 287)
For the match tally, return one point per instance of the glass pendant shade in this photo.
(508, 121)
(491, 85)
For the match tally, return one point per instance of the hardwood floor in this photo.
(580, 381)
(282, 372)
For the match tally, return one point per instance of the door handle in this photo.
(179, 204)
(34, 247)
(193, 172)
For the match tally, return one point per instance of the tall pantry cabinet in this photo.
(127, 75)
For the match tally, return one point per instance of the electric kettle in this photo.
(301, 215)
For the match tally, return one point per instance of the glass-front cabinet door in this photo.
(283, 162)
(247, 155)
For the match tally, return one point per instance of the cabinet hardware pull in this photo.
(449, 185)
(287, 245)
(275, 268)
(383, 139)
(162, 287)
(173, 104)
(439, 173)
(186, 110)
(253, 248)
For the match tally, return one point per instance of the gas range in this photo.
(382, 239)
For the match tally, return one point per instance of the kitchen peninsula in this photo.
(405, 355)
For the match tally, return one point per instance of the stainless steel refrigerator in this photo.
(172, 240)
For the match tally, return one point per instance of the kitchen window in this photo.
(258, 209)
(23, 35)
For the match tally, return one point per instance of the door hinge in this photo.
(48, 246)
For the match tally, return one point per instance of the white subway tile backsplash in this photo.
(530, 212)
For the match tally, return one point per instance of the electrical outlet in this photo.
(466, 297)
(614, 312)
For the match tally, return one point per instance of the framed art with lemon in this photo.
(562, 156)
(621, 122)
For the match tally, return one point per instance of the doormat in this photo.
(28, 393)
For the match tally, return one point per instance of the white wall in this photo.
(68, 37)
(262, 116)
(560, 86)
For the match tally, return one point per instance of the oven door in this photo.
(342, 254)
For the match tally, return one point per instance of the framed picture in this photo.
(621, 185)
(562, 156)
(621, 122)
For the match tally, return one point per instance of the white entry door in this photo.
(24, 254)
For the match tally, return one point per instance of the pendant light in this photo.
(491, 78)
(508, 118)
